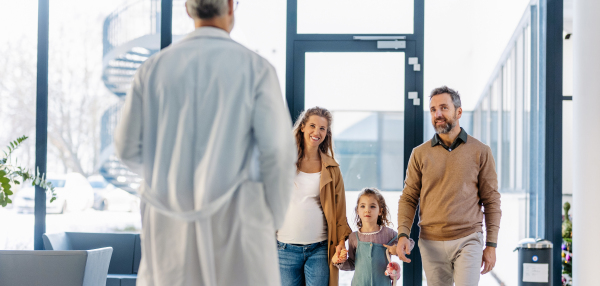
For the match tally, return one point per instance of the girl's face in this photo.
(368, 209)
(315, 131)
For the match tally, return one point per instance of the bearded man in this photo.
(452, 176)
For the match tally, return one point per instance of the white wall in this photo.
(586, 155)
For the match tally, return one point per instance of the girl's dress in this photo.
(366, 255)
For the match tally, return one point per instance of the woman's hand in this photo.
(341, 254)
(391, 249)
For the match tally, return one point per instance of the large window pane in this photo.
(94, 51)
(355, 17)
(18, 73)
(355, 81)
(365, 93)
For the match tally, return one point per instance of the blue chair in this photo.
(54, 268)
(126, 256)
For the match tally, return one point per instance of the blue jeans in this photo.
(303, 264)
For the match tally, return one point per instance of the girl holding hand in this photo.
(366, 247)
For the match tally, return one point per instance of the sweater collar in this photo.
(462, 138)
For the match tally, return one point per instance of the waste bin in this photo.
(535, 262)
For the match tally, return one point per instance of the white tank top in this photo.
(305, 221)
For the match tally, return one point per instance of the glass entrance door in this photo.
(364, 62)
(372, 94)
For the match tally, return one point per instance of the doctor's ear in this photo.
(186, 9)
(231, 4)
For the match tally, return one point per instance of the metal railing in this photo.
(138, 18)
(132, 20)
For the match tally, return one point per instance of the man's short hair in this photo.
(207, 9)
(453, 94)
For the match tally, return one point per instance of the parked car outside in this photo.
(73, 193)
(107, 197)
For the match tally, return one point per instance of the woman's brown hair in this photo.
(327, 144)
(382, 219)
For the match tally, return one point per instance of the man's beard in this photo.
(446, 127)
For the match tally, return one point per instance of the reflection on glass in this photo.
(364, 91)
(355, 17)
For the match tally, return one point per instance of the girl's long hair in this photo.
(327, 144)
(384, 218)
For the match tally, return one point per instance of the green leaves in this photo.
(13, 146)
(5, 184)
(9, 175)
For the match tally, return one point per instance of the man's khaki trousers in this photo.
(454, 261)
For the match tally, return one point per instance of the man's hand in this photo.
(391, 249)
(403, 248)
(489, 259)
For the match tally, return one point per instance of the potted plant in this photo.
(567, 246)
(12, 174)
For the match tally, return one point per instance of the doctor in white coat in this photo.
(197, 114)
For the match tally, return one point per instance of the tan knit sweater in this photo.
(451, 188)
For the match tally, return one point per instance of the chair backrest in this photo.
(56, 241)
(124, 244)
(54, 268)
(96, 267)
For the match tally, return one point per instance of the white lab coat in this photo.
(196, 115)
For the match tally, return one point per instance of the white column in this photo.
(586, 142)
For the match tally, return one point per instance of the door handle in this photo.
(385, 42)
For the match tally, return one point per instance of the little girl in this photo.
(367, 246)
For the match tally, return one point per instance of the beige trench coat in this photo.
(333, 202)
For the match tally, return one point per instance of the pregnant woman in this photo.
(315, 223)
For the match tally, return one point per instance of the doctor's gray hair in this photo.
(206, 9)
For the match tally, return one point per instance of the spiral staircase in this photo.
(131, 34)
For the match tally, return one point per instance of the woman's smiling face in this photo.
(315, 131)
